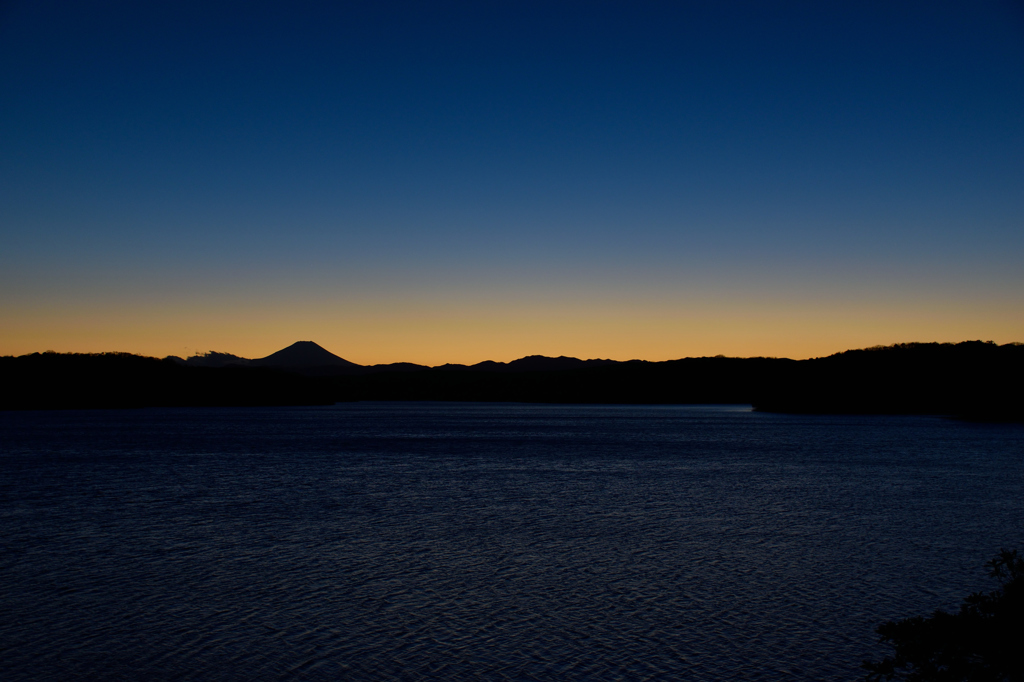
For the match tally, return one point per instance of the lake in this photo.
(486, 541)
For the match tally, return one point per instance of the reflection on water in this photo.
(372, 541)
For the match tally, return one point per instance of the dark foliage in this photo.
(693, 380)
(44, 381)
(983, 642)
(974, 380)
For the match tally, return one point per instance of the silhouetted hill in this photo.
(108, 380)
(394, 367)
(530, 363)
(974, 380)
(540, 363)
(214, 359)
(307, 357)
(302, 355)
(693, 380)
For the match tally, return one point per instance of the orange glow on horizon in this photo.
(450, 334)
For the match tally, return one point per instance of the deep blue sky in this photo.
(452, 182)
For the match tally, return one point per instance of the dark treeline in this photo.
(971, 379)
(691, 380)
(118, 380)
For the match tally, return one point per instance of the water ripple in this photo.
(501, 542)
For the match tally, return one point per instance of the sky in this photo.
(442, 182)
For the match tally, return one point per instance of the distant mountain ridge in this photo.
(301, 355)
(972, 379)
(308, 357)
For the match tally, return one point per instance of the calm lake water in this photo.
(493, 541)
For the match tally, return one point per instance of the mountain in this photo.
(300, 356)
(303, 355)
(307, 357)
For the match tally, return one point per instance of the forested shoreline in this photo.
(973, 379)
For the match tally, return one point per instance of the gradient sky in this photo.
(452, 182)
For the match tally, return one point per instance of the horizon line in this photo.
(202, 354)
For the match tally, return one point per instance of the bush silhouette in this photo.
(982, 642)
